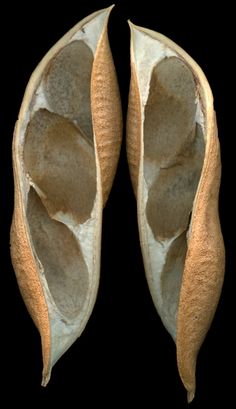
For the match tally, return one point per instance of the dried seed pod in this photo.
(65, 152)
(174, 159)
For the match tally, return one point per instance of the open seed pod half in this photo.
(174, 159)
(65, 151)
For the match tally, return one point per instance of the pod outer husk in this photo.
(204, 268)
(106, 113)
(133, 129)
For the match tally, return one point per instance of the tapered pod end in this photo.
(46, 378)
(190, 396)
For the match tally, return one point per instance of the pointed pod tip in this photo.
(110, 8)
(107, 12)
(46, 378)
(131, 25)
(190, 395)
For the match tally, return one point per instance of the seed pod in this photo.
(174, 159)
(65, 151)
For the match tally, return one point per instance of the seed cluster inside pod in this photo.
(173, 157)
(170, 162)
(59, 159)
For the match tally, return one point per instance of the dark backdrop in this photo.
(125, 356)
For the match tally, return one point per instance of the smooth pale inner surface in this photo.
(173, 159)
(59, 158)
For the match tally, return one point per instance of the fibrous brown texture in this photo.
(107, 122)
(175, 172)
(65, 131)
(204, 268)
(133, 129)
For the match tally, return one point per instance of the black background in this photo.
(125, 356)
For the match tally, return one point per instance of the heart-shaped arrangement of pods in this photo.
(65, 151)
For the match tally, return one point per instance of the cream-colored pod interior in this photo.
(61, 182)
(173, 155)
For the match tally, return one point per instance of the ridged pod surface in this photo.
(174, 159)
(65, 151)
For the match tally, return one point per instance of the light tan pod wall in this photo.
(65, 152)
(174, 159)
